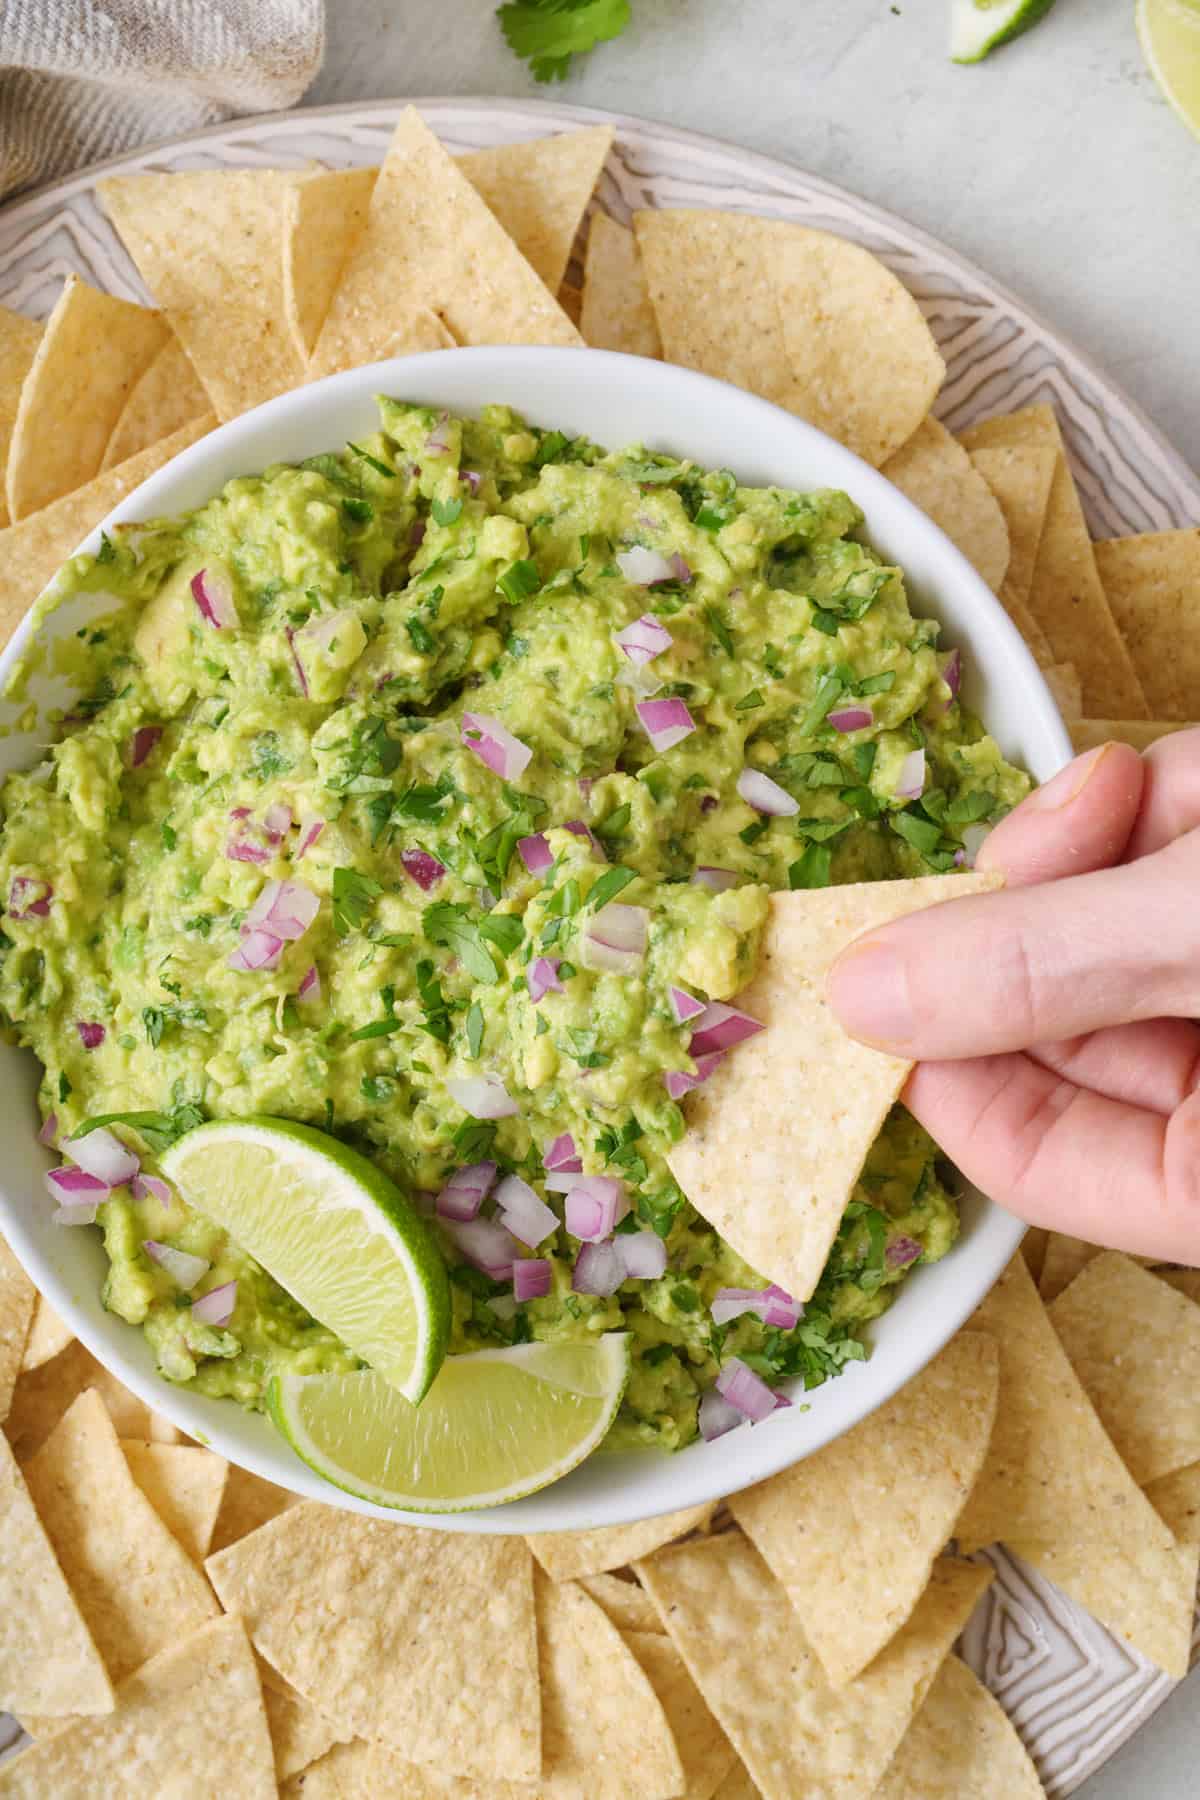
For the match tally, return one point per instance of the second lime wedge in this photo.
(977, 26)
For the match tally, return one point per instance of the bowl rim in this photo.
(766, 1449)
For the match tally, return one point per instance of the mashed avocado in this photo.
(388, 679)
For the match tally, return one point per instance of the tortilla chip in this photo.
(1184, 1281)
(1033, 1249)
(19, 339)
(1063, 681)
(1064, 1258)
(937, 475)
(775, 1181)
(48, 1334)
(1021, 476)
(33, 551)
(626, 1603)
(1176, 1500)
(571, 300)
(18, 1297)
(42, 1397)
(425, 1640)
(737, 1785)
(810, 321)
(566, 1555)
(93, 351)
(1153, 586)
(1066, 597)
(745, 1647)
(540, 191)
(166, 397)
(1051, 1467)
(1138, 733)
(350, 1772)
(430, 243)
(48, 1661)
(323, 218)
(247, 1502)
(423, 331)
(208, 246)
(189, 1722)
(853, 1531)
(1144, 1595)
(184, 1485)
(137, 1588)
(616, 313)
(705, 1751)
(300, 1735)
(960, 1746)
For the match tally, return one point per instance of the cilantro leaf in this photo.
(445, 512)
(160, 1129)
(550, 32)
(433, 1002)
(610, 885)
(452, 927)
(353, 895)
(503, 930)
(475, 1029)
(812, 869)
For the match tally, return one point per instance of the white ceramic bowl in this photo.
(615, 400)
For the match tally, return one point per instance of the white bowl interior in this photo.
(615, 400)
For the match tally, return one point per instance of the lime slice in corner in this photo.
(977, 26)
(495, 1425)
(332, 1230)
(1169, 33)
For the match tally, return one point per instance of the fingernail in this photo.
(1070, 782)
(868, 990)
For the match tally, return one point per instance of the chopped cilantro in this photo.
(749, 701)
(360, 512)
(452, 927)
(433, 1002)
(446, 512)
(377, 1087)
(923, 834)
(503, 930)
(373, 462)
(812, 869)
(519, 581)
(169, 837)
(828, 688)
(475, 1029)
(610, 885)
(719, 629)
(615, 823)
(160, 1129)
(353, 895)
(419, 632)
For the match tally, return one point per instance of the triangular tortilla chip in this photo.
(1184, 1281)
(1051, 1466)
(93, 351)
(1020, 476)
(168, 396)
(1176, 1500)
(190, 1721)
(300, 1735)
(323, 218)
(18, 1297)
(937, 475)
(430, 243)
(1064, 1257)
(19, 339)
(184, 1485)
(1144, 1595)
(207, 244)
(570, 298)
(247, 1502)
(1153, 586)
(745, 1648)
(1139, 734)
(774, 1180)
(48, 1334)
(626, 1603)
(616, 313)
(540, 191)
(566, 1555)
(1066, 597)
(48, 1661)
(961, 1746)
(1063, 681)
(445, 1621)
(348, 1772)
(853, 1531)
(1033, 1249)
(737, 1785)
(705, 1751)
(44, 1394)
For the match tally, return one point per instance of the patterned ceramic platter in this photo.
(1073, 1692)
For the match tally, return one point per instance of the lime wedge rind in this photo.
(976, 29)
(1169, 33)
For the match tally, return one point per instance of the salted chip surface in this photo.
(539, 191)
(853, 1531)
(1020, 476)
(937, 475)
(626, 1603)
(1153, 586)
(425, 1640)
(1143, 1594)
(246, 1503)
(91, 354)
(189, 1724)
(184, 1484)
(430, 243)
(1066, 596)
(323, 218)
(300, 1735)
(705, 1751)
(166, 397)
(19, 339)
(1051, 1467)
(207, 243)
(48, 1334)
(1064, 1257)
(49, 1663)
(18, 1299)
(566, 1555)
(1064, 683)
(775, 1180)
(1176, 1500)
(1139, 734)
(961, 1746)
(744, 1644)
(616, 313)
(44, 1394)
(353, 1771)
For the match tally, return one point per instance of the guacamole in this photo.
(415, 793)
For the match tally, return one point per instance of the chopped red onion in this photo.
(720, 1028)
(665, 722)
(614, 939)
(284, 909)
(543, 977)
(143, 744)
(424, 869)
(91, 1035)
(257, 950)
(716, 879)
(239, 812)
(902, 1251)
(473, 479)
(643, 1255)
(685, 1006)
(277, 821)
(483, 1096)
(535, 852)
(75, 1187)
(49, 1132)
(598, 1270)
(561, 1155)
(772, 1305)
(680, 570)
(465, 1192)
(678, 1082)
(216, 1307)
(765, 795)
(531, 1278)
(185, 1270)
(29, 898)
(310, 985)
(242, 850)
(746, 1391)
(495, 745)
(301, 677)
(102, 1154)
(151, 1187)
(910, 782)
(529, 1219)
(645, 639)
(644, 567)
(311, 828)
(214, 596)
(594, 1207)
(579, 829)
(487, 1245)
(974, 838)
(717, 1416)
(952, 672)
(436, 443)
(851, 718)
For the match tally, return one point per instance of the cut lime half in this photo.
(1169, 33)
(332, 1230)
(495, 1425)
(977, 26)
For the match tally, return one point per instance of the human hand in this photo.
(1054, 1023)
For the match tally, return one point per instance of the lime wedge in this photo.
(495, 1425)
(1169, 33)
(332, 1230)
(977, 26)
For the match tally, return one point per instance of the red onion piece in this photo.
(436, 443)
(594, 1207)
(214, 596)
(643, 1255)
(483, 1096)
(285, 909)
(720, 1028)
(465, 1192)
(473, 479)
(531, 1278)
(103, 1155)
(543, 977)
(685, 1006)
(781, 1310)
(902, 1251)
(644, 567)
(424, 869)
(29, 898)
(311, 828)
(91, 1035)
(310, 984)
(716, 879)
(952, 672)
(614, 939)
(579, 829)
(48, 1135)
(301, 677)
(771, 1304)
(974, 838)
(76, 1212)
(185, 1270)
(242, 850)
(487, 1245)
(851, 718)
(495, 746)
(645, 639)
(239, 812)
(529, 1219)
(143, 744)
(216, 1307)
(277, 821)
(598, 1270)
(665, 722)
(151, 1187)
(746, 1391)
(910, 782)
(680, 570)
(678, 1082)
(765, 795)
(72, 1186)
(562, 1155)
(535, 852)
(257, 950)
(717, 1416)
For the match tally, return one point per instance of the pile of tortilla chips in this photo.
(170, 1623)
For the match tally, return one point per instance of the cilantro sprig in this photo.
(548, 33)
